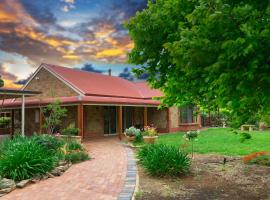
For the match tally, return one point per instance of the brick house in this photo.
(98, 104)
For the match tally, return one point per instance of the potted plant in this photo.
(150, 134)
(131, 133)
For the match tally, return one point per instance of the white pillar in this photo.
(23, 114)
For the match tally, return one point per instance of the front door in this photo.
(110, 116)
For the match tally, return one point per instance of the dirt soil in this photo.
(209, 179)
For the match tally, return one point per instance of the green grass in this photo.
(221, 141)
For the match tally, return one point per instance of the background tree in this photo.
(207, 52)
(1, 82)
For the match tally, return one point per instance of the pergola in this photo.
(14, 94)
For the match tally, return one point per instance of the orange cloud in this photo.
(10, 84)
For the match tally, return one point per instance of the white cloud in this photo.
(16, 64)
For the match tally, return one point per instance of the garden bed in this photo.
(209, 179)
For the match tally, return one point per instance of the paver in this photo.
(102, 177)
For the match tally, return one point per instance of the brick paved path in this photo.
(100, 178)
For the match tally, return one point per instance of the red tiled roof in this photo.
(95, 84)
(96, 89)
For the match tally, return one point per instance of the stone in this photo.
(57, 172)
(6, 186)
(22, 183)
(36, 179)
(63, 162)
(45, 177)
(50, 175)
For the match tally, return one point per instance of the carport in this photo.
(12, 95)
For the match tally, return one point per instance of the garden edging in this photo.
(131, 181)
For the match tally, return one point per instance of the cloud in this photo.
(8, 78)
(32, 32)
(69, 4)
(89, 68)
(126, 74)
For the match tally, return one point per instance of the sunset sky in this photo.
(70, 33)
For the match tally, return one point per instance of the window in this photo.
(188, 114)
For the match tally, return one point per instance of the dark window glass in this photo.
(188, 114)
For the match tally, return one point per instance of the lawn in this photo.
(221, 141)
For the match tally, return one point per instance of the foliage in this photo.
(53, 114)
(260, 158)
(132, 131)
(245, 136)
(49, 143)
(77, 156)
(74, 152)
(138, 138)
(191, 135)
(163, 160)
(150, 131)
(23, 158)
(220, 141)
(4, 122)
(74, 145)
(208, 53)
(70, 130)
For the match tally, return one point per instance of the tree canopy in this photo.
(206, 52)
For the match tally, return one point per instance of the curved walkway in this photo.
(101, 178)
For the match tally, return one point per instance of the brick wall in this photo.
(49, 85)
(174, 112)
(93, 121)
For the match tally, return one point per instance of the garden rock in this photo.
(22, 183)
(36, 179)
(6, 186)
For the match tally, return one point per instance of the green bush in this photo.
(71, 130)
(163, 160)
(77, 156)
(74, 145)
(23, 158)
(48, 142)
(4, 122)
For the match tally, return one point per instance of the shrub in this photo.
(77, 156)
(74, 145)
(150, 131)
(260, 158)
(71, 130)
(24, 158)
(191, 135)
(163, 160)
(245, 136)
(4, 122)
(132, 131)
(48, 142)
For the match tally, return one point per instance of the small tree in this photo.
(53, 114)
(191, 136)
